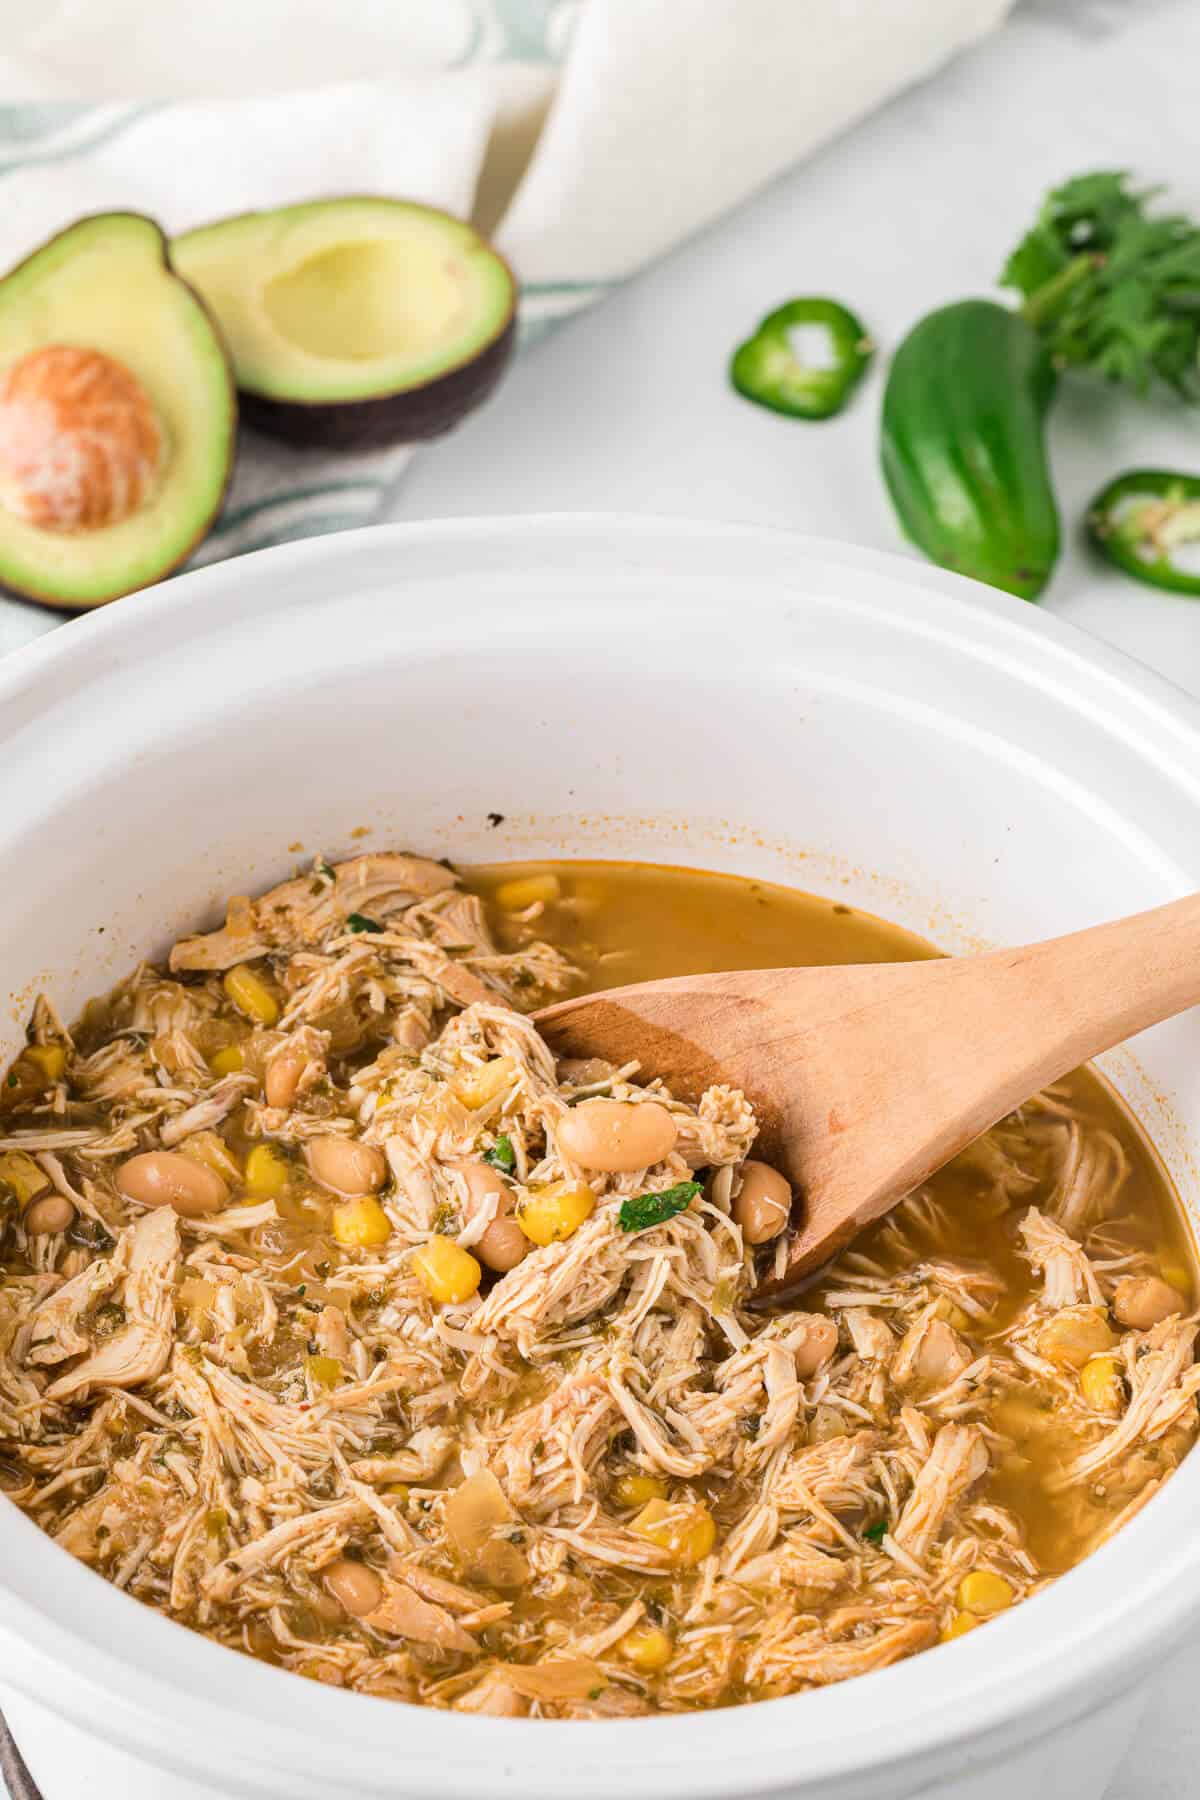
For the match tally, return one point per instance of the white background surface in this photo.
(628, 407)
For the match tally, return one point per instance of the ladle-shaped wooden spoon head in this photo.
(867, 1078)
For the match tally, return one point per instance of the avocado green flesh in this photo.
(104, 285)
(344, 300)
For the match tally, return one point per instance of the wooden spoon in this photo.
(868, 1077)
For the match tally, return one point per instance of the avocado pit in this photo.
(117, 415)
(81, 443)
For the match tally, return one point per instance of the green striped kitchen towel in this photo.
(586, 136)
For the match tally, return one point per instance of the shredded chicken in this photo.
(575, 1474)
(1067, 1274)
(404, 1614)
(138, 1351)
(310, 908)
(957, 1459)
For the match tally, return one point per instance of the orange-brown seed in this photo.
(81, 446)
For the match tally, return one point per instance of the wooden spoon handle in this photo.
(982, 1034)
(1077, 996)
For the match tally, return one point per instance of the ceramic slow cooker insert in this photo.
(853, 724)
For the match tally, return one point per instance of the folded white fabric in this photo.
(587, 136)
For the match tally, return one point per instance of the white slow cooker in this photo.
(850, 723)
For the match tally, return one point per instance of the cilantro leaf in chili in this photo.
(502, 1156)
(360, 922)
(645, 1210)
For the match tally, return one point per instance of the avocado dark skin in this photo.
(356, 321)
(411, 416)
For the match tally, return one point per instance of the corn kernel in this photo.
(51, 1059)
(1101, 1384)
(19, 1172)
(1074, 1334)
(552, 1213)
(213, 1152)
(361, 1224)
(229, 1061)
(323, 1371)
(686, 1530)
(398, 1491)
(983, 1592)
(476, 1087)
(251, 995)
(266, 1172)
(960, 1624)
(448, 1273)
(648, 1648)
(635, 1490)
(527, 890)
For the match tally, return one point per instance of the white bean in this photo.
(51, 1214)
(354, 1586)
(762, 1204)
(1141, 1301)
(819, 1343)
(346, 1166)
(617, 1136)
(502, 1244)
(283, 1077)
(167, 1178)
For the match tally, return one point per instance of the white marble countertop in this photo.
(628, 407)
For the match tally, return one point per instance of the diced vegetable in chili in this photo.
(645, 1210)
(325, 1371)
(1141, 519)
(772, 369)
(876, 1533)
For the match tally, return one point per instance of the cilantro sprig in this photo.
(645, 1210)
(1113, 284)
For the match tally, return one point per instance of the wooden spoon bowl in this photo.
(868, 1078)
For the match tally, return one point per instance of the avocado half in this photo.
(117, 415)
(357, 322)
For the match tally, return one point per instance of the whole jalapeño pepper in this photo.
(963, 445)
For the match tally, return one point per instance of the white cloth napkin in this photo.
(587, 136)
